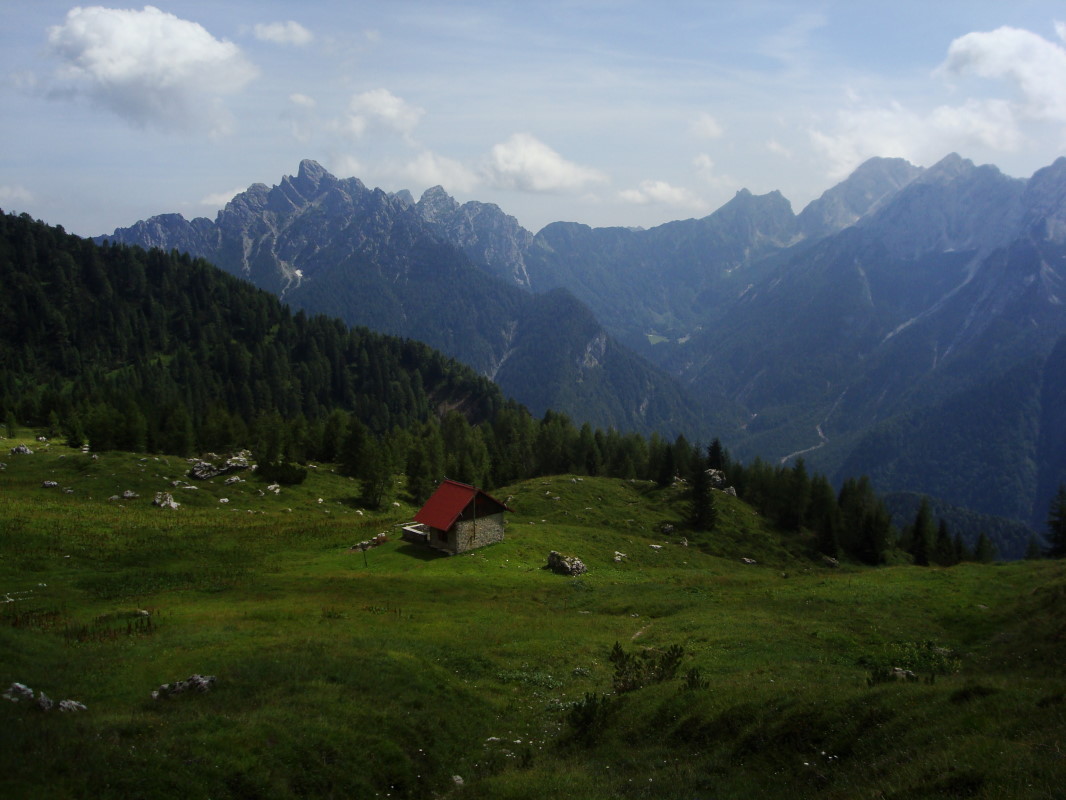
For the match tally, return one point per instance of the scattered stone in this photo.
(129, 494)
(619, 557)
(223, 499)
(730, 491)
(275, 488)
(50, 485)
(232, 479)
(71, 705)
(199, 683)
(900, 674)
(42, 438)
(165, 500)
(114, 497)
(21, 450)
(655, 546)
(565, 565)
(457, 780)
(44, 702)
(68, 490)
(684, 541)
(829, 561)
(18, 691)
(666, 528)
(749, 561)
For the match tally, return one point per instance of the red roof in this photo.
(448, 502)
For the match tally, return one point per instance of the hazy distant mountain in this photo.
(336, 247)
(908, 324)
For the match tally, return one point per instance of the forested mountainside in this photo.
(128, 349)
(171, 354)
(336, 247)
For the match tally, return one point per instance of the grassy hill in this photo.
(485, 675)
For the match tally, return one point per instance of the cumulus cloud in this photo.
(288, 32)
(430, 169)
(895, 131)
(706, 127)
(1036, 67)
(525, 163)
(381, 107)
(149, 67)
(1032, 68)
(662, 193)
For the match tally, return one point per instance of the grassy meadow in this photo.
(412, 675)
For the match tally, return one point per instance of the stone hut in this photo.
(457, 518)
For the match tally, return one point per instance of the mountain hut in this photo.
(456, 518)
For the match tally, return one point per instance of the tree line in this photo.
(121, 348)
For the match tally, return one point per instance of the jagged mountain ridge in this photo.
(333, 246)
(906, 309)
(902, 299)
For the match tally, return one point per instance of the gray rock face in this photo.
(870, 185)
(483, 231)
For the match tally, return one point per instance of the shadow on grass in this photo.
(423, 552)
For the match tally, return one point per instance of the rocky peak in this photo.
(1044, 202)
(867, 188)
(436, 205)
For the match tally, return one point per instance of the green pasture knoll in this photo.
(387, 676)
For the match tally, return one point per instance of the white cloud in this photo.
(149, 67)
(15, 194)
(430, 169)
(1036, 66)
(779, 149)
(219, 199)
(288, 32)
(706, 127)
(895, 131)
(703, 162)
(525, 163)
(302, 100)
(346, 166)
(381, 107)
(1060, 30)
(662, 193)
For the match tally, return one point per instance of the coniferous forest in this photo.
(120, 348)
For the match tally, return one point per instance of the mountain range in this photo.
(908, 324)
(380, 260)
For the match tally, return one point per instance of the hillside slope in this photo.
(321, 657)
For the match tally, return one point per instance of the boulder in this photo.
(129, 494)
(165, 500)
(565, 565)
(49, 484)
(21, 450)
(198, 683)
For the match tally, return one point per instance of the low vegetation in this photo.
(672, 669)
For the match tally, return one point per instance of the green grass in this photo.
(339, 679)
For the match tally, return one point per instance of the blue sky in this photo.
(608, 113)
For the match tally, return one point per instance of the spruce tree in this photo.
(923, 535)
(1056, 524)
(702, 513)
(985, 551)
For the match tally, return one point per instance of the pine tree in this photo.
(944, 548)
(1056, 524)
(702, 513)
(985, 551)
(922, 535)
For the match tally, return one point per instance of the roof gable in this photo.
(448, 503)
